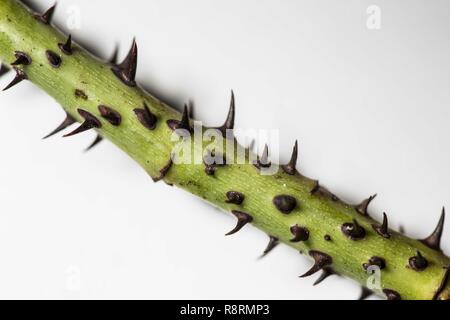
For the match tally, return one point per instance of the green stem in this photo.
(319, 212)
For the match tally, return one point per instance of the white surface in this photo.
(369, 107)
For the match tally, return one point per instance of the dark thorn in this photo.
(418, 262)
(80, 94)
(146, 117)
(21, 59)
(443, 282)
(316, 188)
(365, 293)
(67, 46)
(353, 230)
(235, 197)
(263, 162)
(290, 167)
(433, 241)
(210, 169)
(320, 191)
(183, 124)
(242, 219)
(114, 56)
(382, 230)
(321, 260)
(391, 294)
(68, 121)
(300, 233)
(362, 207)
(53, 59)
(326, 272)
(327, 237)
(126, 71)
(110, 114)
(90, 122)
(163, 172)
(46, 18)
(229, 122)
(3, 69)
(375, 261)
(284, 203)
(20, 76)
(273, 242)
(97, 140)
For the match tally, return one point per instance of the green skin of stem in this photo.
(20, 31)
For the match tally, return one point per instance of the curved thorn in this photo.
(146, 117)
(21, 59)
(299, 233)
(321, 260)
(20, 76)
(290, 167)
(326, 272)
(184, 123)
(46, 17)
(382, 229)
(273, 242)
(362, 207)
(97, 140)
(443, 283)
(433, 241)
(90, 122)
(242, 219)
(163, 172)
(4, 69)
(68, 121)
(111, 115)
(126, 71)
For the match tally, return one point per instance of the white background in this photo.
(370, 109)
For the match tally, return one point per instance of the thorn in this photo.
(126, 71)
(290, 167)
(321, 260)
(210, 169)
(418, 262)
(146, 117)
(67, 46)
(362, 207)
(433, 241)
(20, 76)
(114, 56)
(300, 233)
(235, 197)
(273, 242)
(46, 17)
(97, 140)
(90, 122)
(353, 230)
(21, 59)
(183, 124)
(375, 261)
(263, 162)
(326, 272)
(163, 172)
(284, 203)
(242, 219)
(365, 293)
(3, 69)
(110, 114)
(443, 282)
(391, 294)
(229, 122)
(68, 121)
(316, 187)
(53, 59)
(382, 230)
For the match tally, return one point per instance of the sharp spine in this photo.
(21, 59)
(321, 260)
(362, 208)
(20, 76)
(184, 123)
(300, 233)
(53, 58)
(164, 171)
(66, 47)
(273, 242)
(46, 17)
(68, 121)
(290, 167)
(111, 115)
(382, 229)
(229, 122)
(94, 143)
(263, 162)
(146, 117)
(326, 272)
(90, 122)
(433, 241)
(126, 70)
(242, 219)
